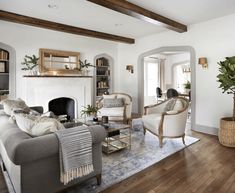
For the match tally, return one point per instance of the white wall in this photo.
(214, 39)
(27, 40)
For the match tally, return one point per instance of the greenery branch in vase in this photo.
(84, 65)
(90, 112)
(29, 63)
(226, 78)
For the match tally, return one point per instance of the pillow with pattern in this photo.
(169, 105)
(111, 103)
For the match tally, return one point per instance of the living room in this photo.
(209, 35)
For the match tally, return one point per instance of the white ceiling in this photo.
(85, 14)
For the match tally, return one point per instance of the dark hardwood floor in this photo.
(205, 167)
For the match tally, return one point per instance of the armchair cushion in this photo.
(116, 111)
(152, 122)
(111, 103)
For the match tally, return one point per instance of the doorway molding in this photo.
(140, 66)
(12, 69)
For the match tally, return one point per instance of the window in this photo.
(151, 77)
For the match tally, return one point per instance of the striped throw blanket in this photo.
(75, 152)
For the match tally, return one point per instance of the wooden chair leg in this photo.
(144, 130)
(98, 178)
(160, 141)
(183, 139)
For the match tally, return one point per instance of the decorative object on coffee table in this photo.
(90, 112)
(227, 84)
(105, 119)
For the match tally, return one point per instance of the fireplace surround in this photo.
(40, 90)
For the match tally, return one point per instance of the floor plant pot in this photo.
(227, 132)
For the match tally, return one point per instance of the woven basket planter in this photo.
(227, 132)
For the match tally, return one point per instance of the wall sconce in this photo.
(203, 62)
(130, 68)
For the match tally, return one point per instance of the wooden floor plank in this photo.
(204, 167)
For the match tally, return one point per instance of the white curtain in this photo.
(161, 73)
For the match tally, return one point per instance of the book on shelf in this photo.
(3, 55)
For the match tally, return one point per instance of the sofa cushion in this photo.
(10, 105)
(111, 103)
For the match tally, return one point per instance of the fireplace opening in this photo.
(63, 107)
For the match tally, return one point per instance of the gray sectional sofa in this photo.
(33, 163)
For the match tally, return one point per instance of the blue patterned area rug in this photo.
(145, 151)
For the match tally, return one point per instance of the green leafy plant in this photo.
(90, 110)
(85, 64)
(30, 62)
(226, 78)
(187, 85)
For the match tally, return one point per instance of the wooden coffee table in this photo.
(118, 138)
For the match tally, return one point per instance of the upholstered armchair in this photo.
(166, 119)
(117, 106)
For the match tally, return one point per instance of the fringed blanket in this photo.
(75, 152)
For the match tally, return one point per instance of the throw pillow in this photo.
(25, 121)
(170, 105)
(45, 125)
(10, 105)
(111, 103)
(37, 126)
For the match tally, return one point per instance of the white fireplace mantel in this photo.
(40, 90)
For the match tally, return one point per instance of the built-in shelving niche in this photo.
(103, 77)
(4, 74)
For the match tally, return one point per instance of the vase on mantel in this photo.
(85, 72)
(32, 72)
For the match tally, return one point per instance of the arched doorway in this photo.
(192, 60)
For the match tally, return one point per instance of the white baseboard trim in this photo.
(206, 129)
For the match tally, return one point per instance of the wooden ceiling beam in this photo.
(125, 7)
(26, 20)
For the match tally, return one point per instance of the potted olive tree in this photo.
(226, 78)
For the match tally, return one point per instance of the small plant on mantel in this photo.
(30, 62)
(85, 64)
(226, 78)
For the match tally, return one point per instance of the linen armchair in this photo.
(115, 112)
(166, 119)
